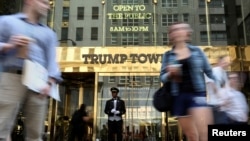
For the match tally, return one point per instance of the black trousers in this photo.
(220, 117)
(115, 127)
(77, 133)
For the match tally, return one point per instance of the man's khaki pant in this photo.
(13, 96)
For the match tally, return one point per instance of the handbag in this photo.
(162, 98)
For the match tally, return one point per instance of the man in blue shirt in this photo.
(24, 32)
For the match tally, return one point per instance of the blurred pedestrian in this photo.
(214, 87)
(24, 36)
(62, 127)
(220, 74)
(104, 133)
(18, 130)
(78, 124)
(115, 108)
(184, 66)
(220, 69)
(58, 133)
(233, 102)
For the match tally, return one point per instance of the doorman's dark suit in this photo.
(115, 121)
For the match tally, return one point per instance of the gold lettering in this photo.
(140, 7)
(123, 7)
(115, 16)
(129, 29)
(117, 29)
(129, 15)
(129, 8)
(143, 28)
(148, 15)
(137, 15)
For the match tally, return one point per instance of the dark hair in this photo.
(65, 118)
(82, 108)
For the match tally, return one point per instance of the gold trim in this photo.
(95, 107)
(129, 74)
(70, 58)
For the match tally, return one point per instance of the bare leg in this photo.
(202, 117)
(188, 127)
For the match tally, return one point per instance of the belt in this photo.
(14, 71)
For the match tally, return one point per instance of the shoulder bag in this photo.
(162, 98)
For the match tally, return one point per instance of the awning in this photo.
(129, 59)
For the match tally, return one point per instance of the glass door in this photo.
(76, 89)
(141, 121)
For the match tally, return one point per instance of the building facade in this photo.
(135, 71)
(137, 22)
(7, 7)
(106, 43)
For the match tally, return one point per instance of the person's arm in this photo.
(86, 118)
(106, 109)
(4, 45)
(209, 73)
(123, 109)
(163, 73)
(52, 65)
(223, 96)
(207, 67)
(210, 84)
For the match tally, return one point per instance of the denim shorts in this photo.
(184, 101)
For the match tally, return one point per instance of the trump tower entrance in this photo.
(90, 72)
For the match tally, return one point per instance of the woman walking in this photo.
(184, 66)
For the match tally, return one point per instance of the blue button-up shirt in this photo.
(42, 50)
(199, 66)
